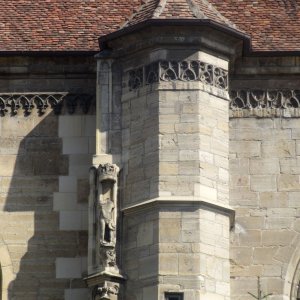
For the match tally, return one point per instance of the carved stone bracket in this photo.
(193, 70)
(12, 102)
(259, 99)
(107, 291)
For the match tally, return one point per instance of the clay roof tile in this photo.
(75, 25)
(177, 9)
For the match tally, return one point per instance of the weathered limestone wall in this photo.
(140, 147)
(44, 162)
(194, 252)
(170, 250)
(265, 191)
(194, 165)
(194, 142)
(175, 174)
(140, 257)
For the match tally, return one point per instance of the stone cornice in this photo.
(173, 71)
(11, 103)
(181, 201)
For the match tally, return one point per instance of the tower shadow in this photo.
(31, 163)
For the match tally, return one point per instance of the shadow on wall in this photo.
(43, 195)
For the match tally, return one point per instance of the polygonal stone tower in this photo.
(162, 113)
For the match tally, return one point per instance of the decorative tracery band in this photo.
(12, 102)
(260, 99)
(240, 100)
(193, 70)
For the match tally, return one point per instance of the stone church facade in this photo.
(161, 163)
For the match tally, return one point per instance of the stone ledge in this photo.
(175, 86)
(290, 112)
(181, 201)
(106, 158)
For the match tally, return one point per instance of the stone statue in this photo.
(103, 207)
(103, 193)
(107, 222)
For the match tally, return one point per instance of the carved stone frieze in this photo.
(193, 70)
(12, 102)
(259, 99)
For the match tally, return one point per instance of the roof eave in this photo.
(57, 53)
(176, 22)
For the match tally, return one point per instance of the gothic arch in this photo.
(6, 271)
(292, 277)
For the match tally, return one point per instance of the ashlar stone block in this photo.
(145, 234)
(264, 166)
(189, 264)
(149, 292)
(69, 267)
(277, 237)
(250, 238)
(273, 199)
(168, 264)
(67, 184)
(251, 222)
(70, 126)
(148, 267)
(263, 183)
(245, 148)
(76, 294)
(75, 145)
(288, 182)
(264, 255)
(241, 255)
(279, 223)
(278, 149)
(169, 230)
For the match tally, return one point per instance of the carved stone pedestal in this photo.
(104, 286)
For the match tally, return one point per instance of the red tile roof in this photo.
(75, 25)
(59, 25)
(274, 25)
(177, 9)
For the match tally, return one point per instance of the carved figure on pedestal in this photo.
(107, 222)
(104, 209)
(103, 193)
